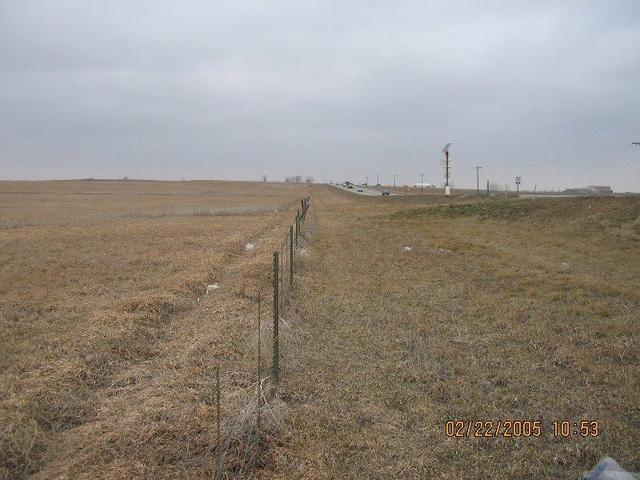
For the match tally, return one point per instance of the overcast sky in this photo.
(549, 90)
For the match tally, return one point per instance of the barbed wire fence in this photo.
(243, 434)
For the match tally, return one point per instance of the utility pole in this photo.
(446, 168)
(445, 150)
(366, 180)
(394, 181)
(377, 179)
(422, 181)
(477, 167)
(518, 181)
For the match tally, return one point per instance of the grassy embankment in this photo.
(502, 310)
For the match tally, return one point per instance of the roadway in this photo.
(366, 191)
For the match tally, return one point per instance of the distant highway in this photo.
(366, 191)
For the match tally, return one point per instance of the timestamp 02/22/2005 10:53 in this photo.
(521, 428)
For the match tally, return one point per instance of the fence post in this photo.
(297, 227)
(218, 436)
(291, 258)
(282, 295)
(259, 405)
(276, 358)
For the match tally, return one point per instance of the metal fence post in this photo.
(291, 257)
(259, 374)
(297, 227)
(218, 435)
(276, 304)
(282, 295)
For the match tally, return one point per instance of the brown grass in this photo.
(502, 310)
(109, 341)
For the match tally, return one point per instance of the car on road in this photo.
(350, 186)
(386, 193)
(359, 190)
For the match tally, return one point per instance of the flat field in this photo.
(108, 339)
(407, 312)
(499, 310)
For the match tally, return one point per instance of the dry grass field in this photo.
(108, 340)
(502, 309)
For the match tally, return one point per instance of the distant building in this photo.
(590, 190)
(424, 185)
(600, 188)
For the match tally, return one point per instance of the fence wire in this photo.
(283, 283)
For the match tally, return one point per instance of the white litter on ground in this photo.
(249, 246)
(407, 249)
(436, 251)
(211, 288)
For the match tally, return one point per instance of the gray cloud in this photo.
(199, 89)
